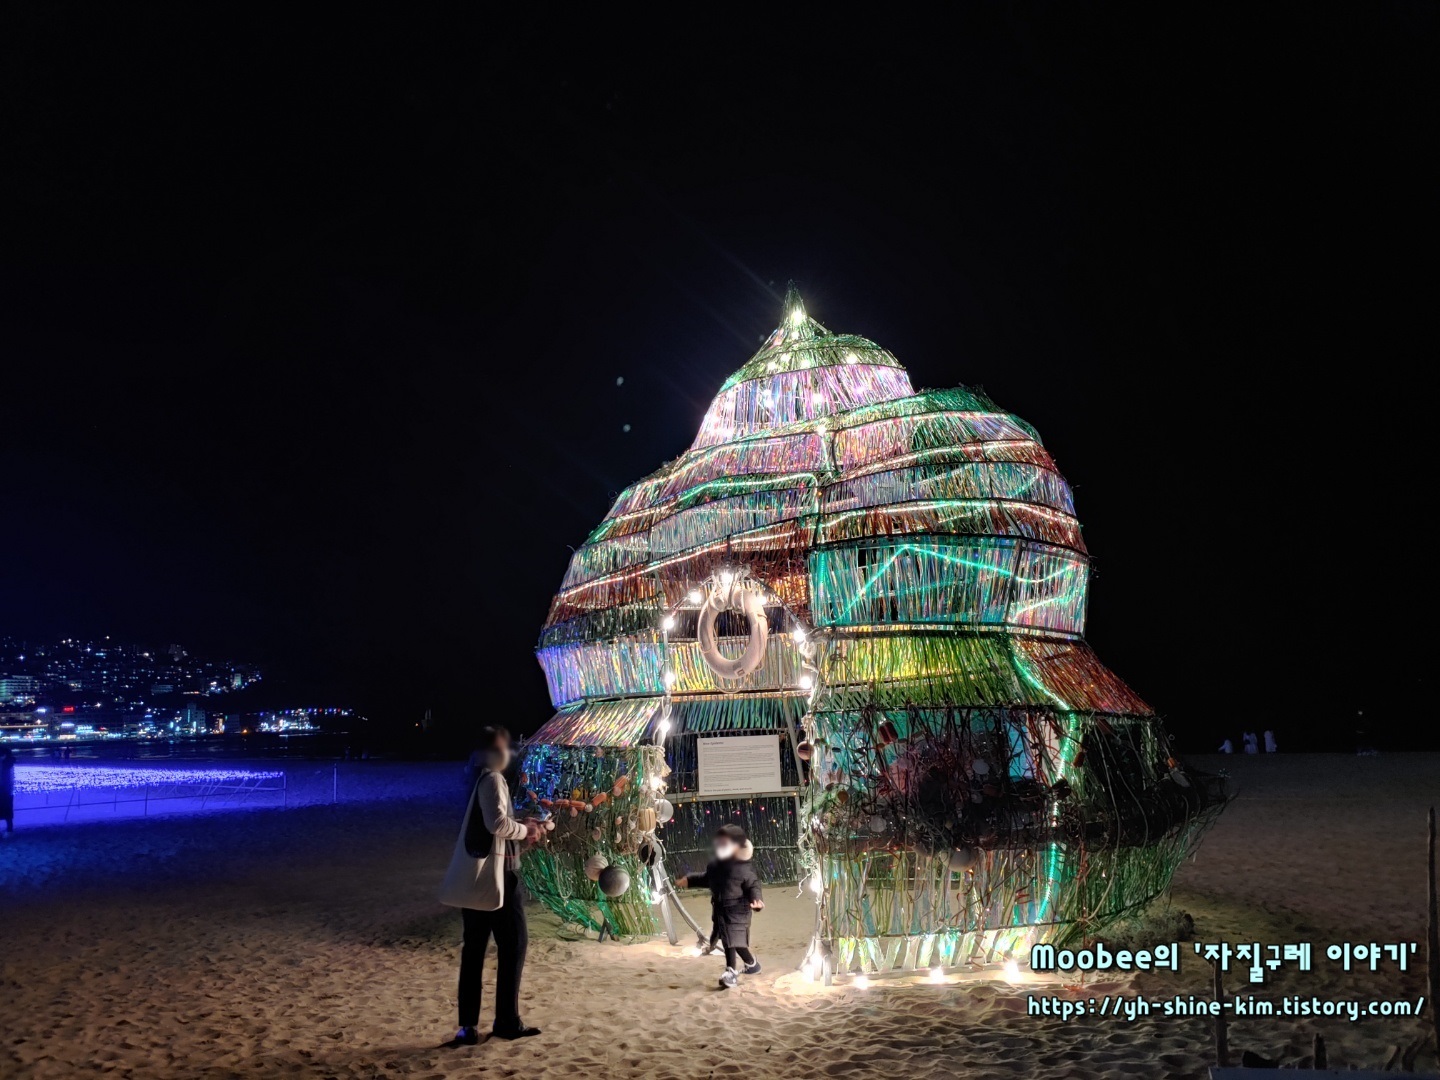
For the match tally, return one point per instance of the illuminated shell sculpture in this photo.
(894, 584)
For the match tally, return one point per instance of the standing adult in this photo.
(7, 789)
(483, 882)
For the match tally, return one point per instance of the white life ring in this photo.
(751, 603)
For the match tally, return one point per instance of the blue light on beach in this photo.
(35, 779)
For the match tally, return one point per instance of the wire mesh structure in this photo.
(903, 582)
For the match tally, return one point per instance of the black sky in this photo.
(311, 332)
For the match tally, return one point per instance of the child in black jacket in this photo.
(734, 895)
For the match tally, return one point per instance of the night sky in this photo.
(311, 333)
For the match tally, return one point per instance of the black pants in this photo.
(736, 954)
(512, 938)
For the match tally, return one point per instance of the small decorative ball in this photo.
(614, 881)
(574, 812)
(549, 826)
(664, 810)
(597, 833)
(962, 858)
(595, 866)
(805, 750)
(878, 824)
(981, 767)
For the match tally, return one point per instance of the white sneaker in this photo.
(729, 980)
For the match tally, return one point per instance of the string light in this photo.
(1012, 971)
(907, 515)
(861, 982)
(31, 779)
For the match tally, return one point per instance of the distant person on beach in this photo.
(1227, 747)
(483, 882)
(7, 788)
(1252, 744)
(734, 897)
(1270, 746)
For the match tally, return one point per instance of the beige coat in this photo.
(480, 883)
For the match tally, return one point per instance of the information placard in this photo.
(739, 765)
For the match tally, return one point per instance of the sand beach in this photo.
(306, 942)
